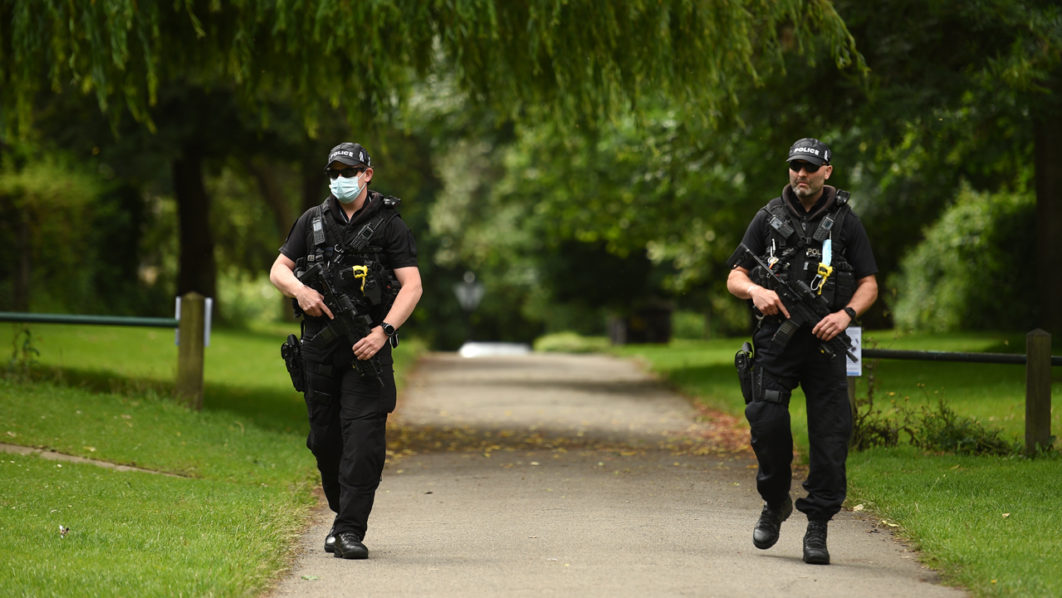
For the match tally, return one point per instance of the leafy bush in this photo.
(971, 271)
(570, 342)
(244, 300)
(42, 227)
(937, 430)
(688, 324)
(23, 354)
(872, 427)
(941, 430)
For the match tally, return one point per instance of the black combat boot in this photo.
(766, 533)
(349, 546)
(330, 540)
(815, 552)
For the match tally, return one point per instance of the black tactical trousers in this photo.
(348, 422)
(829, 420)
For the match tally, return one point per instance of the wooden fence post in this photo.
(189, 388)
(1037, 391)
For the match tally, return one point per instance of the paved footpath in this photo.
(561, 475)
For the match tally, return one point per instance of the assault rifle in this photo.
(805, 307)
(349, 322)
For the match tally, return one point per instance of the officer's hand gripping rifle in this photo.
(348, 322)
(805, 306)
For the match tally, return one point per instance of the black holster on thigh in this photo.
(743, 362)
(291, 351)
(751, 378)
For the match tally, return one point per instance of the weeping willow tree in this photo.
(180, 65)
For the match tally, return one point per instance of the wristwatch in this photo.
(388, 329)
(851, 312)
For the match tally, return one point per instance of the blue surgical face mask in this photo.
(346, 189)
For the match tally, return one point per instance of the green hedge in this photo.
(974, 270)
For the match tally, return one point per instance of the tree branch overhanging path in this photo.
(579, 61)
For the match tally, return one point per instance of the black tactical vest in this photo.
(795, 249)
(351, 256)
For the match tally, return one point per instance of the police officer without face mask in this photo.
(808, 234)
(348, 381)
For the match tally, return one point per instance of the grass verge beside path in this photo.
(139, 534)
(224, 525)
(224, 530)
(989, 524)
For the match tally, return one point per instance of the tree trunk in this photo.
(1048, 162)
(197, 270)
(272, 193)
(312, 177)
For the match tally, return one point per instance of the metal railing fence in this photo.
(191, 325)
(1037, 360)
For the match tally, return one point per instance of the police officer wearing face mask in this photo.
(808, 234)
(357, 237)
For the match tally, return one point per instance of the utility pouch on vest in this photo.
(743, 363)
(291, 351)
(843, 288)
(784, 333)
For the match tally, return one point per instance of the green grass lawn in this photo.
(140, 534)
(222, 525)
(990, 524)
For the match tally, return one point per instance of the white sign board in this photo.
(855, 367)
